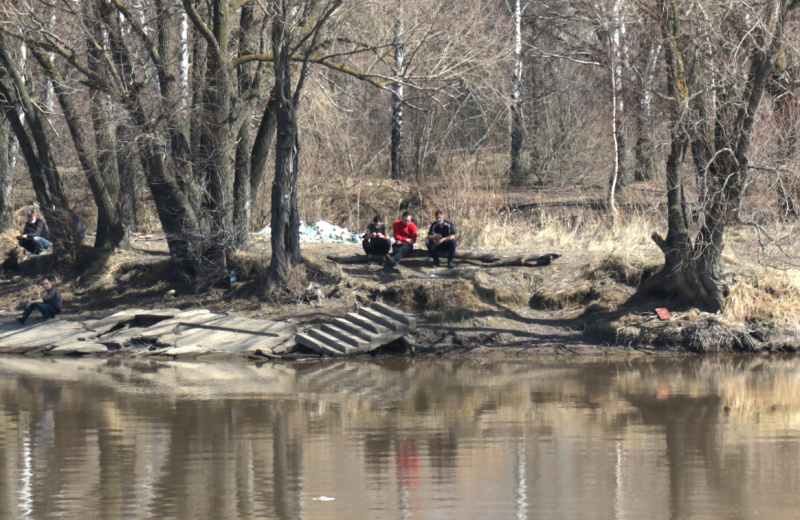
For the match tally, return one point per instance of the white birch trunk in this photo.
(517, 117)
(398, 94)
(617, 58)
(183, 56)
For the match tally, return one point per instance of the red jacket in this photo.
(402, 232)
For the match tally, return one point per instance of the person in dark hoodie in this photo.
(49, 305)
(34, 238)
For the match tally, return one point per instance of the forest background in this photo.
(603, 121)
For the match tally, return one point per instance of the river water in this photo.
(401, 438)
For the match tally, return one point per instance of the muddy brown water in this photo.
(401, 438)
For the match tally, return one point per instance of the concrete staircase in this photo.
(358, 332)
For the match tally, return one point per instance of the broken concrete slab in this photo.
(121, 318)
(78, 348)
(21, 339)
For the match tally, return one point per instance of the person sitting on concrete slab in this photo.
(405, 236)
(442, 239)
(376, 240)
(34, 238)
(49, 305)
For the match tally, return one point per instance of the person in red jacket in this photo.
(405, 236)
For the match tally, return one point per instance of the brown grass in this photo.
(453, 300)
(769, 296)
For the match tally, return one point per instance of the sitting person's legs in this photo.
(448, 247)
(28, 244)
(368, 246)
(376, 247)
(433, 250)
(380, 247)
(399, 251)
(41, 245)
(47, 311)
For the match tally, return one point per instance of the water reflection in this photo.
(400, 438)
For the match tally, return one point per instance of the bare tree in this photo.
(35, 147)
(714, 103)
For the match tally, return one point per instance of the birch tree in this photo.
(518, 174)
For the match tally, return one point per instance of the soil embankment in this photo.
(580, 304)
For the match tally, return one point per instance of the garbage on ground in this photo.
(320, 232)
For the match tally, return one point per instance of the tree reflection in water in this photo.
(714, 437)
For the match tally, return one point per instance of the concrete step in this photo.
(332, 341)
(318, 346)
(382, 319)
(395, 314)
(344, 336)
(354, 329)
(366, 324)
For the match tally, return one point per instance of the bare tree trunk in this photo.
(6, 176)
(398, 122)
(242, 184)
(262, 143)
(285, 221)
(643, 148)
(518, 173)
(105, 190)
(787, 113)
(618, 65)
(615, 174)
(35, 146)
(183, 58)
(127, 175)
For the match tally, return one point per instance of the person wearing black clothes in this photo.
(34, 237)
(49, 305)
(442, 239)
(376, 240)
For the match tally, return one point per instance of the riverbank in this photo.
(579, 305)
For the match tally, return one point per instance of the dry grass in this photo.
(769, 296)
(630, 269)
(512, 289)
(454, 300)
(560, 295)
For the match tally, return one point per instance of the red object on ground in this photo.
(663, 313)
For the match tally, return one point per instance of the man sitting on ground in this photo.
(405, 236)
(35, 237)
(376, 240)
(49, 305)
(442, 239)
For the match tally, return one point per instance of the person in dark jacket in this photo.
(34, 238)
(376, 240)
(49, 305)
(442, 239)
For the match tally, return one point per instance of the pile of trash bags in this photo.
(320, 232)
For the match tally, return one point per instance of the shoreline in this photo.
(578, 306)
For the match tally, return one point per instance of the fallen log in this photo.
(485, 259)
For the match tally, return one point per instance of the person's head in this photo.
(31, 215)
(439, 215)
(377, 220)
(406, 218)
(48, 283)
